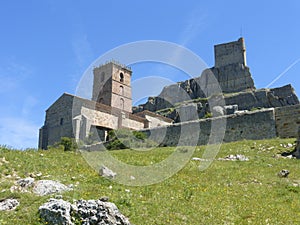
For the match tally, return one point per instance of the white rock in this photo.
(87, 211)
(56, 211)
(46, 187)
(106, 172)
(8, 204)
(26, 182)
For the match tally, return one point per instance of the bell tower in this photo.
(112, 86)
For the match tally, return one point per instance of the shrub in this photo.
(124, 138)
(208, 115)
(69, 144)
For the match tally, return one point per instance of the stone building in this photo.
(109, 109)
(111, 105)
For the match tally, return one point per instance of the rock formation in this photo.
(60, 212)
(46, 187)
(8, 204)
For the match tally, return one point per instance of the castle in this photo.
(109, 109)
(277, 109)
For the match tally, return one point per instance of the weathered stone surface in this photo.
(287, 121)
(99, 212)
(22, 185)
(296, 153)
(60, 212)
(8, 204)
(218, 111)
(245, 100)
(56, 212)
(236, 157)
(264, 98)
(231, 109)
(26, 182)
(46, 187)
(283, 173)
(244, 125)
(107, 173)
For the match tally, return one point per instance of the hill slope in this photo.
(228, 192)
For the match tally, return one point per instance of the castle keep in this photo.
(250, 113)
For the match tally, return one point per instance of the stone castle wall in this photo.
(249, 125)
(229, 53)
(287, 121)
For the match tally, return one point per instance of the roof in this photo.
(149, 113)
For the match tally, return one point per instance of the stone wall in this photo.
(249, 125)
(58, 122)
(229, 53)
(101, 119)
(287, 121)
(297, 149)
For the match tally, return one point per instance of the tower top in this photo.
(112, 85)
(230, 53)
(116, 64)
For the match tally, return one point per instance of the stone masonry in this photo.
(249, 113)
(109, 109)
(297, 149)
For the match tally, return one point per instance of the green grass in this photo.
(225, 193)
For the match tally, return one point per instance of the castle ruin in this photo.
(276, 111)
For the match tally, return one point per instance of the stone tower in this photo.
(112, 86)
(230, 53)
(231, 69)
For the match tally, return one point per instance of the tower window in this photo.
(121, 77)
(101, 100)
(122, 103)
(61, 122)
(121, 90)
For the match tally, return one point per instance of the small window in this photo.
(121, 77)
(61, 122)
(121, 90)
(102, 77)
(101, 100)
(122, 103)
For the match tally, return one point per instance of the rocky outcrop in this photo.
(22, 185)
(263, 98)
(60, 212)
(46, 187)
(8, 204)
(225, 79)
(41, 187)
(246, 100)
(56, 211)
(107, 173)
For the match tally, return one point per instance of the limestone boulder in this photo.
(107, 173)
(218, 111)
(8, 204)
(46, 187)
(60, 212)
(56, 211)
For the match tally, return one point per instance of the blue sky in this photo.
(45, 46)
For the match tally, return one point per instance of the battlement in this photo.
(230, 53)
(114, 63)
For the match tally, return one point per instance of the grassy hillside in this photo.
(226, 193)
